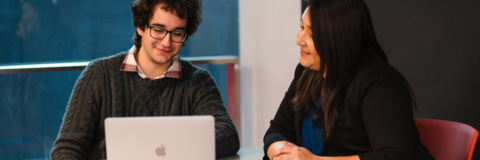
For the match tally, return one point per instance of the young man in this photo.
(148, 80)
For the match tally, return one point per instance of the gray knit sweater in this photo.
(102, 91)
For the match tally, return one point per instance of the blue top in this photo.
(312, 134)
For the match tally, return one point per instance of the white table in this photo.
(255, 153)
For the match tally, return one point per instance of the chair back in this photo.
(447, 140)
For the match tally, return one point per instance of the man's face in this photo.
(161, 52)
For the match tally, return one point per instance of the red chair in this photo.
(447, 140)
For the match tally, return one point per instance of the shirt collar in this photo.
(130, 65)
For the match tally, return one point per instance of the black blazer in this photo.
(375, 118)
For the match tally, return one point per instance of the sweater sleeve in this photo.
(207, 101)
(81, 118)
(388, 115)
(282, 127)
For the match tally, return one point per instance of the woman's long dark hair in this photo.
(343, 34)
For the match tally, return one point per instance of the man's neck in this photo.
(149, 68)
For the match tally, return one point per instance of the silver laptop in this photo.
(160, 138)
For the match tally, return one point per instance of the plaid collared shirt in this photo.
(131, 65)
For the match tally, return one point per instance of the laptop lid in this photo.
(160, 138)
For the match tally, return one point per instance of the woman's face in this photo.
(308, 54)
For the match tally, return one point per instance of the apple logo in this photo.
(160, 151)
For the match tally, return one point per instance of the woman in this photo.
(345, 101)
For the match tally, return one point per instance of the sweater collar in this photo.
(131, 65)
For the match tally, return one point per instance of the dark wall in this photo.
(436, 45)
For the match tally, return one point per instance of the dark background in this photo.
(436, 45)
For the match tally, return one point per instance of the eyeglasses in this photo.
(160, 33)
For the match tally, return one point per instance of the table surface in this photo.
(255, 153)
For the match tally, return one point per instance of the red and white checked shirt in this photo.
(131, 65)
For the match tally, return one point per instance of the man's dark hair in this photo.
(142, 12)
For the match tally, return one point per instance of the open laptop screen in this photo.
(160, 138)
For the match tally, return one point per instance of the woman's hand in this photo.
(291, 151)
(274, 147)
(283, 150)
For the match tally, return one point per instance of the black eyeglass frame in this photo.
(183, 40)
